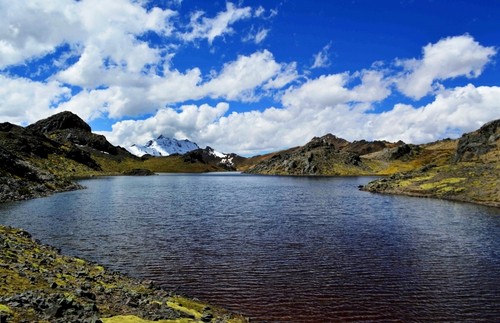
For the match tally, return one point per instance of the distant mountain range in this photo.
(163, 146)
(44, 157)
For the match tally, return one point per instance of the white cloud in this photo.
(238, 80)
(186, 122)
(36, 28)
(448, 58)
(259, 11)
(256, 37)
(332, 90)
(287, 75)
(120, 75)
(322, 58)
(261, 35)
(24, 101)
(128, 94)
(32, 29)
(453, 112)
(210, 28)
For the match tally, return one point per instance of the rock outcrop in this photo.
(23, 155)
(327, 155)
(60, 121)
(66, 127)
(472, 146)
(470, 173)
(42, 158)
(208, 156)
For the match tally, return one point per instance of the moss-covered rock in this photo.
(40, 284)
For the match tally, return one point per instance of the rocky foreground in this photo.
(41, 285)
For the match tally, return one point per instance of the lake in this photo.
(281, 249)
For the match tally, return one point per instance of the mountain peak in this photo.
(60, 121)
(163, 146)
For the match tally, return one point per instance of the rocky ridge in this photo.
(327, 155)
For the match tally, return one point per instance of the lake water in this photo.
(283, 249)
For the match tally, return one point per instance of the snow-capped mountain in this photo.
(163, 146)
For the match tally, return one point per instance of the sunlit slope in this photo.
(471, 175)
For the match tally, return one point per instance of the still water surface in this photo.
(283, 248)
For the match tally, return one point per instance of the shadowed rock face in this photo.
(475, 144)
(68, 127)
(30, 157)
(60, 121)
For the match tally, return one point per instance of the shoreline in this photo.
(428, 196)
(42, 284)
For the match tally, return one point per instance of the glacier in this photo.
(163, 146)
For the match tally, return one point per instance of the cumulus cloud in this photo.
(201, 27)
(25, 101)
(453, 112)
(448, 58)
(331, 90)
(185, 122)
(36, 28)
(238, 80)
(107, 68)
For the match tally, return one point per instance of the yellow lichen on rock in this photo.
(135, 319)
(5, 309)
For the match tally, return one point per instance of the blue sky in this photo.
(253, 76)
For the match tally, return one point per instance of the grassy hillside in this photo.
(471, 173)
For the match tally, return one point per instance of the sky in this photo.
(253, 76)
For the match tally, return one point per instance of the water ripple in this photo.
(280, 249)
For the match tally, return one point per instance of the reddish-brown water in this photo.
(283, 249)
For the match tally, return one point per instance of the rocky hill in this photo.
(45, 157)
(330, 155)
(466, 169)
(68, 128)
(24, 156)
(469, 174)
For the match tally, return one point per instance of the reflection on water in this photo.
(283, 248)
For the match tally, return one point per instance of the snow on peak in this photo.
(163, 146)
(227, 159)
